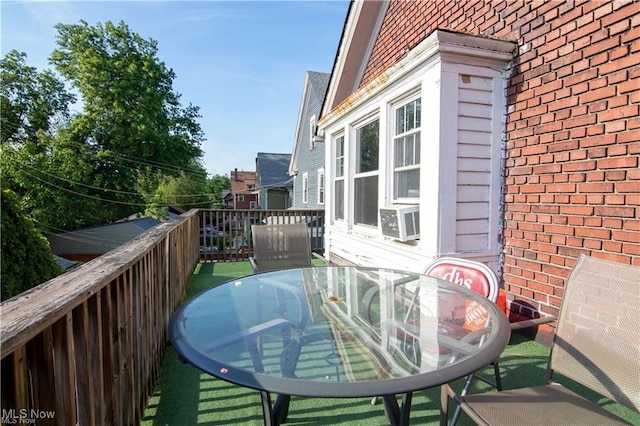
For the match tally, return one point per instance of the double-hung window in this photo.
(406, 147)
(365, 182)
(338, 183)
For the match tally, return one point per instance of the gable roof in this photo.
(315, 88)
(242, 182)
(363, 22)
(272, 170)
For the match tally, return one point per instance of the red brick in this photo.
(596, 187)
(617, 163)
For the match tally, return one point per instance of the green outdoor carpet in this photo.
(185, 396)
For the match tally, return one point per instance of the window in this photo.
(366, 174)
(338, 183)
(320, 186)
(312, 131)
(305, 187)
(406, 147)
(240, 198)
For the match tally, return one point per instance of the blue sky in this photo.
(243, 63)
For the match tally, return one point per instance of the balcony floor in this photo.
(184, 396)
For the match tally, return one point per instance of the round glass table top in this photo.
(339, 331)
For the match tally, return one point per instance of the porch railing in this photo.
(86, 347)
(225, 235)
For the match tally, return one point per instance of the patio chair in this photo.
(280, 247)
(596, 344)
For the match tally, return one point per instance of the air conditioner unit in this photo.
(401, 223)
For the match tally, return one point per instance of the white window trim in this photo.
(332, 157)
(312, 132)
(305, 188)
(321, 186)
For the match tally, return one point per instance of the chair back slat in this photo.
(597, 340)
(281, 246)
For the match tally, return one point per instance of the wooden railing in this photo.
(225, 235)
(85, 348)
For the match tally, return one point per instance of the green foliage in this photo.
(107, 161)
(32, 102)
(130, 106)
(215, 185)
(185, 190)
(26, 258)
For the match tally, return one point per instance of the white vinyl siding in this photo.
(474, 163)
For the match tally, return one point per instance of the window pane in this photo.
(411, 121)
(399, 148)
(367, 146)
(340, 156)
(407, 183)
(418, 109)
(366, 200)
(339, 199)
(400, 120)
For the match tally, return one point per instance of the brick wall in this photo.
(572, 180)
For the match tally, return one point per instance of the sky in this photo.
(242, 63)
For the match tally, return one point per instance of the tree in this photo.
(32, 102)
(26, 258)
(130, 106)
(185, 190)
(215, 185)
(86, 169)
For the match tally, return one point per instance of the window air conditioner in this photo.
(401, 223)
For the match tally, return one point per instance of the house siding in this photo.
(572, 177)
(309, 159)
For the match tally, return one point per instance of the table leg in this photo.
(274, 416)
(281, 408)
(266, 408)
(397, 415)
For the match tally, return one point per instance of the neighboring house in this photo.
(243, 193)
(273, 183)
(307, 159)
(501, 132)
(88, 243)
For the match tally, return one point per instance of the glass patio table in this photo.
(338, 332)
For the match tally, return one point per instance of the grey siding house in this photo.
(308, 156)
(273, 183)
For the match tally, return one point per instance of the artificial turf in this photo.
(185, 396)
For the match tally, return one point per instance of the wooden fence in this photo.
(86, 347)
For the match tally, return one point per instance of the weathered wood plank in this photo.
(41, 365)
(95, 337)
(49, 301)
(65, 372)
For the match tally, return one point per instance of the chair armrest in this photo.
(319, 256)
(254, 264)
(519, 325)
